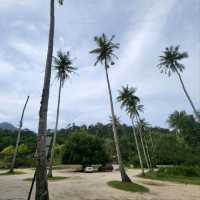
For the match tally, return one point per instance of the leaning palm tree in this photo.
(105, 54)
(142, 126)
(176, 120)
(41, 172)
(137, 116)
(130, 101)
(63, 64)
(169, 63)
(18, 137)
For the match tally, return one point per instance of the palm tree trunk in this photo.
(188, 97)
(151, 139)
(41, 171)
(153, 149)
(137, 146)
(18, 137)
(55, 132)
(141, 139)
(124, 176)
(147, 150)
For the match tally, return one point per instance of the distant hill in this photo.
(7, 126)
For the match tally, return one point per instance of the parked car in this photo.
(89, 169)
(106, 168)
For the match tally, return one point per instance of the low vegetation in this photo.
(130, 187)
(180, 174)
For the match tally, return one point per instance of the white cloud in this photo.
(143, 28)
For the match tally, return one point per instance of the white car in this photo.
(89, 169)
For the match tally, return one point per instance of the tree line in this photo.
(179, 145)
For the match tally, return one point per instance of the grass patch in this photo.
(54, 178)
(178, 179)
(12, 173)
(153, 183)
(130, 187)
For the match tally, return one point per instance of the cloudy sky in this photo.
(142, 27)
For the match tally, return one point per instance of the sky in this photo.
(142, 27)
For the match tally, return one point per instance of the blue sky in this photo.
(142, 27)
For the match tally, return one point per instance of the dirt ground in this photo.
(93, 186)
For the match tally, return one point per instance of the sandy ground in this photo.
(93, 186)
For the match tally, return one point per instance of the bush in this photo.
(8, 150)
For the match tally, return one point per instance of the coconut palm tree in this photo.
(137, 116)
(105, 54)
(142, 126)
(18, 137)
(130, 101)
(176, 120)
(170, 63)
(41, 172)
(63, 65)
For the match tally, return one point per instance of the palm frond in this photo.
(61, 2)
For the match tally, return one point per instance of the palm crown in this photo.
(176, 119)
(105, 50)
(63, 65)
(143, 124)
(60, 2)
(130, 101)
(169, 61)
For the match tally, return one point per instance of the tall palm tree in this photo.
(63, 64)
(142, 124)
(170, 63)
(176, 120)
(105, 54)
(130, 101)
(141, 138)
(41, 172)
(18, 137)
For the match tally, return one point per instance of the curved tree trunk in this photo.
(137, 146)
(41, 172)
(55, 132)
(143, 148)
(124, 176)
(188, 96)
(18, 137)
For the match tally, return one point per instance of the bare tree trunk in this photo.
(188, 97)
(41, 171)
(18, 137)
(55, 132)
(124, 176)
(141, 139)
(137, 146)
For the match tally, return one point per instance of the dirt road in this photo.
(82, 186)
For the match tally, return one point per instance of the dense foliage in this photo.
(85, 149)
(81, 144)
